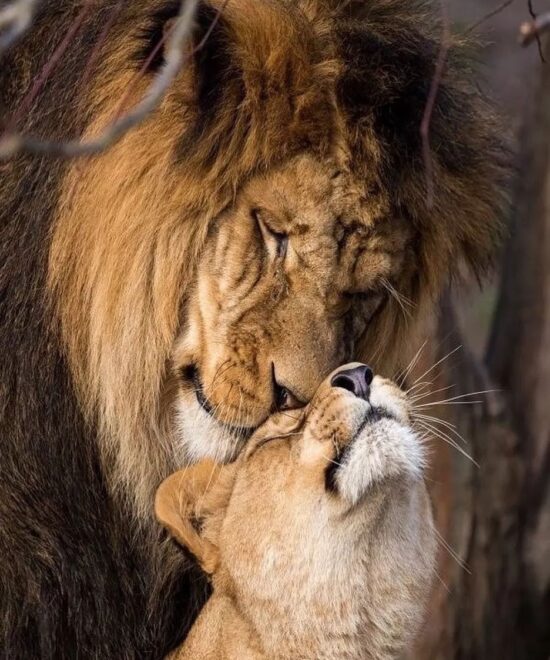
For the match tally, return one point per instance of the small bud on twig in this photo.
(15, 19)
(531, 30)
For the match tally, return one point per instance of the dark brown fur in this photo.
(82, 572)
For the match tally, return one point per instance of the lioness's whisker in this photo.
(445, 357)
(451, 551)
(443, 583)
(412, 363)
(457, 398)
(431, 418)
(286, 413)
(419, 386)
(448, 403)
(330, 460)
(442, 436)
(450, 427)
(214, 468)
(422, 395)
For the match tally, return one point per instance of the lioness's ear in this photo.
(185, 498)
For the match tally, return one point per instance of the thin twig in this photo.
(92, 60)
(533, 30)
(47, 69)
(13, 143)
(430, 104)
(486, 17)
(15, 20)
(152, 55)
(534, 18)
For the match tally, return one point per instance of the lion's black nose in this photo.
(355, 379)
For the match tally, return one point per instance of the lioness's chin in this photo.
(199, 435)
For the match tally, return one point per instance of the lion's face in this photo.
(268, 221)
(342, 525)
(290, 279)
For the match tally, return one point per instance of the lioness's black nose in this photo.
(355, 379)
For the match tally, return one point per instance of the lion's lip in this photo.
(242, 432)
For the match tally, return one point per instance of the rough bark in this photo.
(497, 516)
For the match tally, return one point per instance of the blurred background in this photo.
(492, 594)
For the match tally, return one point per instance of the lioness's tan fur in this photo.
(301, 570)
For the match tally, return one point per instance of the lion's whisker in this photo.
(218, 370)
(399, 298)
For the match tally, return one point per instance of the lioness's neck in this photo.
(222, 632)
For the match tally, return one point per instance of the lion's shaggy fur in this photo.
(98, 256)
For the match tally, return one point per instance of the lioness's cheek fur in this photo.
(98, 260)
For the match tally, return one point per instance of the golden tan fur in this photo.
(136, 227)
(300, 570)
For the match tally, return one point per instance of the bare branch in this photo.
(12, 143)
(531, 30)
(92, 60)
(15, 19)
(432, 98)
(491, 14)
(47, 70)
(534, 18)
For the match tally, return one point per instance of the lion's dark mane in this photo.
(76, 572)
(75, 577)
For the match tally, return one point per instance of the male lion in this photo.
(261, 228)
(341, 553)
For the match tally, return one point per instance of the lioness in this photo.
(319, 538)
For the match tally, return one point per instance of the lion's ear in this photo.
(185, 499)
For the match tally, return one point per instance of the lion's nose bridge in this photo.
(302, 369)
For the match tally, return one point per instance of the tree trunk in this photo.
(497, 516)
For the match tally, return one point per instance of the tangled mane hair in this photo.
(97, 258)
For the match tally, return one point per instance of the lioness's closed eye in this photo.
(319, 538)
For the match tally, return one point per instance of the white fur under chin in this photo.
(200, 436)
(383, 450)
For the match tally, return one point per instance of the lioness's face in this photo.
(290, 280)
(323, 523)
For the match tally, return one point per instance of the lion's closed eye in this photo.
(275, 241)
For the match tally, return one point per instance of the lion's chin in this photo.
(199, 435)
